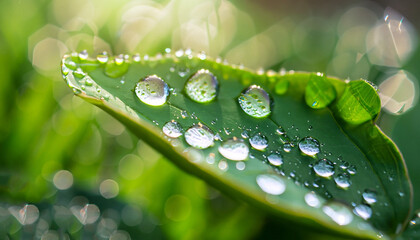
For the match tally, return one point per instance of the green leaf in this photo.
(359, 103)
(319, 91)
(253, 136)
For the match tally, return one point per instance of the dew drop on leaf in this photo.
(199, 136)
(255, 102)
(342, 180)
(275, 159)
(234, 149)
(152, 90)
(103, 57)
(271, 184)
(324, 168)
(309, 146)
(338, 212)
(258, 141)
(369, 196)
(202, 86)
(312, 199)
(172, 129)
(363, 211)
(83, 55)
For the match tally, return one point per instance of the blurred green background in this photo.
(70, 171)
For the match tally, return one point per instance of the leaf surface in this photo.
(253, 136)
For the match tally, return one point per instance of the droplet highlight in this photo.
(275, 159)
(172, 129)
(202, 87)
(369, 196)
(234, 149)
(152, 91)
(363, 211)
(199, 136)
(342, 180)
(309, 146)
(324, 168)
(258, 141)
(339, 213)
(271, 184)
(255, 102)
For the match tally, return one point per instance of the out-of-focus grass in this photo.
(44, 129)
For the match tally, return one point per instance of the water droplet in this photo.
(79, 73)
(136, 57)
(255, 102)
(83, 55)
(352, 170)
(199, 136)
(103, 57)
(172, 129)
(152, 90)
(339, 213)
(342, 180)
(26, 215)
(245, 134)
(202, 86)
(363, 211)
(234, 149)
(240, 166)
(401, 194)
(369, 196)
(259, 141)
(287, 147)
(309, 146)
(202, 55)
(312, 200)
(324, 168)
(184, 114)
(275, 159)
(223, 165)
(179, 53)
(119, 59)
(280, 130)
(271, 184)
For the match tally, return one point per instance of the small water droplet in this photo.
(280, 130)
(369, 196)
(119, 59)
(338, 212)
(401, 194)
(271, 184)
(103, 57)
(202, 55)
(179, 53)
(83, 55)
(152, 90)
(136, 57)
(199, 136)
(259, 142)
(172, 129)
(312, 200)
(309, 146)
(352, 170)
(363, 211)
(234, 149)
(324, 168)
(287, 147)
(202, 86)
(275, 159)
(245, 134)
(184, 114)
(255, 102)
(342, 180)
(211, 158)
(240, 166)
(223, 165)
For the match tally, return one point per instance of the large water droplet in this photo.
(363, 211)
(255, 102)
(312, 199)
(369, 196)
(258, 141)
(172, 129)
(339, 213)
(271, 184)
(309, 146)
(199, 136)
(83, 55)
(152, 90)
(324, 168)
(202, 86)
(275, 159)
(103, 57)
(234, 149)
(342, 180)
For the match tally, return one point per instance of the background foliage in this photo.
(136, 191)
